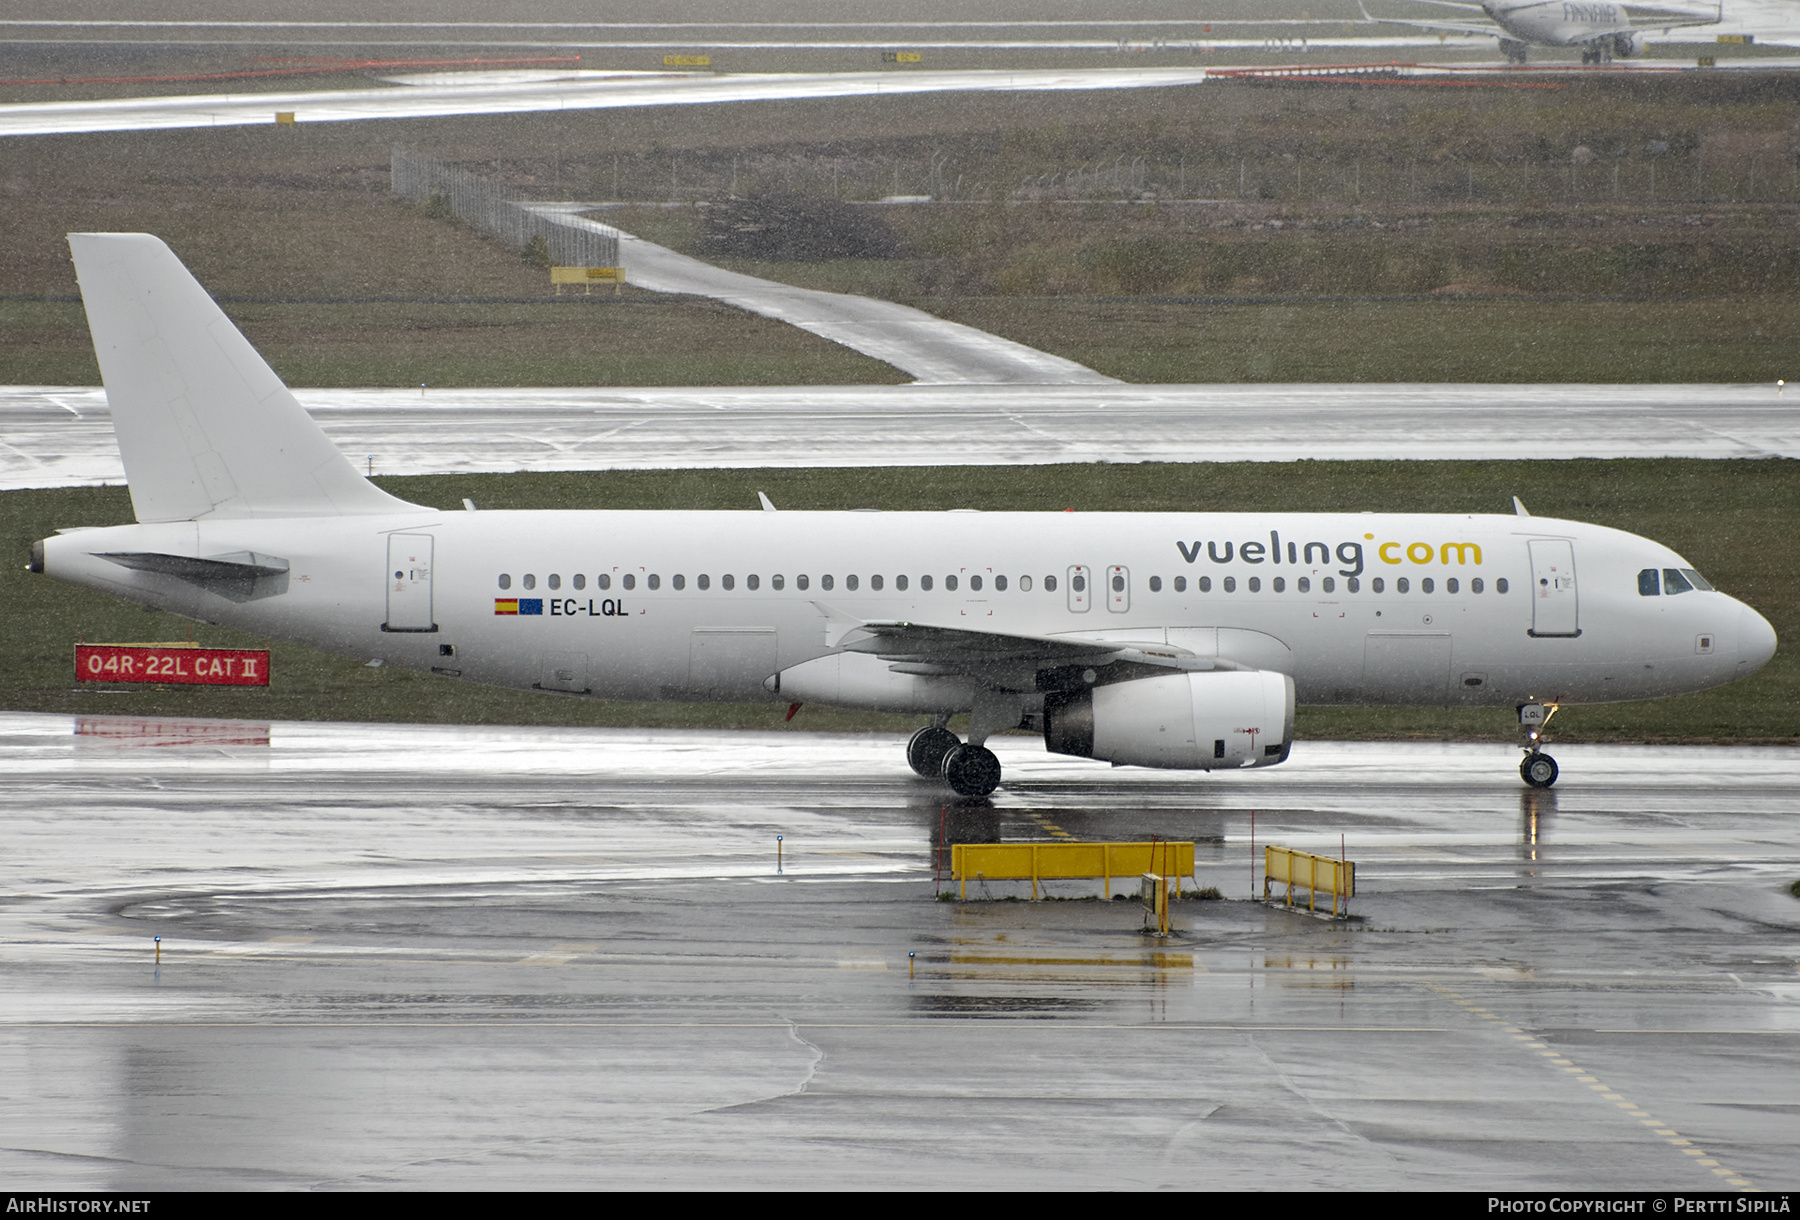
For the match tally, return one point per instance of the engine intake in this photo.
(1187, 721)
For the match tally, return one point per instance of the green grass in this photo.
(1733, 520)
(631, 341)
(1491, 341)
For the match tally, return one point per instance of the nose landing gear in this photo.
(1537, 769)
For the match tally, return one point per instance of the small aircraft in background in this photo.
(1602, 29)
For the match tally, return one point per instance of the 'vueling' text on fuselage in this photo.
(1350, 554)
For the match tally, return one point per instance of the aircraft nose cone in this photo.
(1756, 641)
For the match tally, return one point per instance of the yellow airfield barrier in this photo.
(1317, 874)
(1064, 861)
(588, 276)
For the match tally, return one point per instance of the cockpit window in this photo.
(1697, 580)
(1649, 583)
(1674, 582)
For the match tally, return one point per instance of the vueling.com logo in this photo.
(1350, 554)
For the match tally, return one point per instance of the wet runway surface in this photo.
(62, 436)
(445, 957)
(599, 91)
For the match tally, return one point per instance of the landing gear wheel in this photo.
(971, 770)
(925, 751)
(1538, 770)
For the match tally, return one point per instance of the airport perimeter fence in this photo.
(499, 210)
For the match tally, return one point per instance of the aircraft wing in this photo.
(1651, 17)
(1001, 659)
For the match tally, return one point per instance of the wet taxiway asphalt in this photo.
(402, 956)
(63, 436)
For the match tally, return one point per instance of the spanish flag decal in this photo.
(506, 605)
(518, 605)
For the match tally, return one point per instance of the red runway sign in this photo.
(172, 663)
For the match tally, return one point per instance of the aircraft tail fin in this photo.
(205, 427)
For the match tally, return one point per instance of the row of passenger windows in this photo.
(728, 581)
(1674, 580)
(1203, 584)
(1327, 584)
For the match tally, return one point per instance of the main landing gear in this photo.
(1537, 769)
(936, 753)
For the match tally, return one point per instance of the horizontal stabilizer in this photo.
(205, 427)
(240, 577)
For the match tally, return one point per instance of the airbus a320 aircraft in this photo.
(1601, 29)
(1178, 640)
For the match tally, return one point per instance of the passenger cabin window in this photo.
(925, 583)
(630, 581)
(530, 581)
(1402, 585)
(802, 583)
(505, 580)
(1204, 584)
(1281, 584)
(1450, 586)
(1500, 584)
(1000, 584)
(1181, 584)
(779, 582)
(1377, 585)
(679, 581)
(875, 584)
(974, 584)
(1049, 584)
(1329, 584)
(580, 581)
(655, 581)
(555, 581)
(752, 582)
(850, 583)
(950, 583)
(825, 582)
(728, 580)
(1352, 584)
(703, 580)
(604, 580)
(1229, 584)
(1304, 584)
(1255, 584)
(900, 583)
(1156, 584)
(1425, 585)
(1475, 585)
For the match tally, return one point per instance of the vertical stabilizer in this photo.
(205, 427)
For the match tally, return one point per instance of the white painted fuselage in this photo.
(1358, 608)
(1560, 23)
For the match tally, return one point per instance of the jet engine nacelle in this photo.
(1625, 45)
(1190, 721)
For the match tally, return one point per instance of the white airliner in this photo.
(1600, 28)
(1175, 640)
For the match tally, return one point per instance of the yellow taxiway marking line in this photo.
(1607, 1094)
